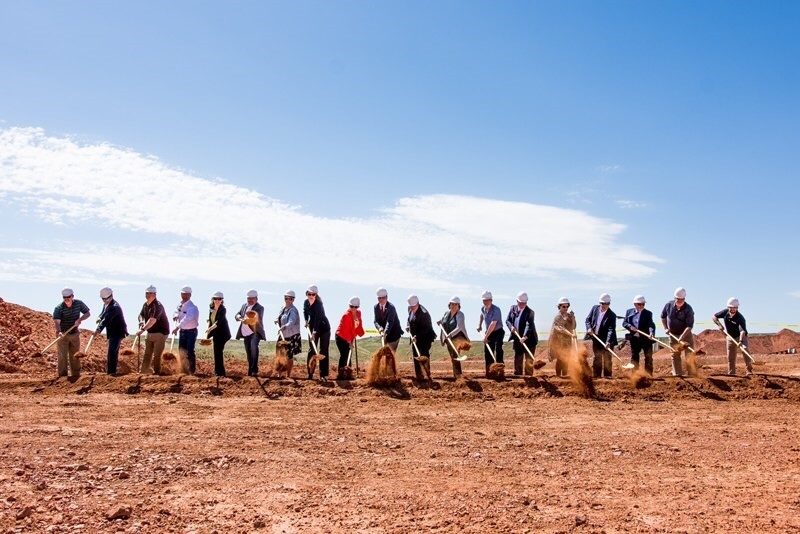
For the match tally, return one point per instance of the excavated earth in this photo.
(240, 454)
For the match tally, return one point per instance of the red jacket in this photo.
(347, 329)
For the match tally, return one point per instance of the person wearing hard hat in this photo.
(187, 319)
(67, 318)
(454, 329)
(639, 323)
(492, 317)
(219, 331)
(386, 320)
(288, 322)
(521, 320)
(251, 335)
(320, 328)
(113, 321)
(678, 320)
(153, 320)
(562, 332)
(420, 327)
(736, 326)
(602, 323)
(350, 327)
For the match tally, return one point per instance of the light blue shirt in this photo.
(491, 316)
(289, 321)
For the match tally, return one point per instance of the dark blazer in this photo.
(388, 322)
(315, 317)
(113, 320)
(608, 328)
(646, 323)
(223, 330)
(526, 324)
(259, 330)
(421, 326)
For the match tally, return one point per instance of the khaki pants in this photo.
(677, 367)
(153, 348)
(67, 347)
(732, 349)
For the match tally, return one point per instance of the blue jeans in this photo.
(113, 354)
(251, 349)
(186, 343)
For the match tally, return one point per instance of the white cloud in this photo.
(609, 168)
(169, 223)
(795, 294)
(630, 204)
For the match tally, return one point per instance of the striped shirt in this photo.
(69, 315)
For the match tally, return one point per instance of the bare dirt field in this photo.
(238, 454)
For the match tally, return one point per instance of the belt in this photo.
(188, 329)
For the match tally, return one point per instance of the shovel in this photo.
(317, 355)
(678, 340)
(652, 338)
(458, 358)
(621, 361)
(422, 360)
(89, 344)
(741, 348)
(536, 362)
(59, 337)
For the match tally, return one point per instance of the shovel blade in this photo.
(628, 366)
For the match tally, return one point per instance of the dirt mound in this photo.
(713, 341)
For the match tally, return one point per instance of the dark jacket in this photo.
(421, 325)
(388, 321)
(314, 315)
(259, 328)
(526, 324)
(646, 323)
(113, 320)
(608, 328)
(223, 330)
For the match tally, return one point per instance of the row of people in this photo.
(677, 318)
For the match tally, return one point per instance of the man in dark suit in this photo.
(520, 320)
(254, 334)
(113, 320)
(639, 323)
(602, 322)
(386, 320)
(420, 327)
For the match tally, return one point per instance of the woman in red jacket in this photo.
(350, 327)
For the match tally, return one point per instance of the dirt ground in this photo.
(200, 454)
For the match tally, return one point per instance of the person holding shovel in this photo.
(156, 323)
(678, 320)
(251, 334)
(562, 332)
(736, 327)
(113, 320)
(67, 318)
(492, 317)
(320, 331)
(386, 320)
(454, 329)
(218, 330)
(520, 323)
(422, 335)
(639, 323)
(288, 322)
(350, 327)
(187, 318)
(602, 323)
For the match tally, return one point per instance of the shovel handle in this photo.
(523, 344)
(89, 344)
(449, 341)
(70, 329)
(741, 348)
(491, 352)
(311, 341)
(607, 348)
(654, 339)
(673, 336)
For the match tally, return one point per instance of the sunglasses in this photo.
(311, 294)
(68, 298)
(288, 298)
(106, 298)
(563, 305)
(638, 304)
(382, 298)
(354, 307)
(216, 298)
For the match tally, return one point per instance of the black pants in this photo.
(323, 342)
(454, 354)
(113, 354)
(638, 345)
(424, 347)
(219, 360)
(520, 354)
(496, 343)
(601, 364)
(344, 351)
(251, 349)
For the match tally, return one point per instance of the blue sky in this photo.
(564, 148)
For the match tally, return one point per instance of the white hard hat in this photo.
(67, 292)
(218, 295)
(150, 289)
(312, 289)
(252, 294)
(413, 300)
(680, 293)
(563, 300)
(605, 298)
(381, 292)
(355, 301)
(522, 297)
(105, 292)
(486, 295)
(187, 290)
(639, 299)
(289, 293)
(455, 300)
(733, 302)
